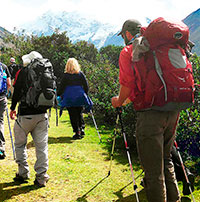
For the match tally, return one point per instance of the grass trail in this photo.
(78, 168)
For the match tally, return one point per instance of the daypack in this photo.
(3, 79)
(164, 74)
(41, 84)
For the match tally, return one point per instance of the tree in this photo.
(86, 51)
(111, 53)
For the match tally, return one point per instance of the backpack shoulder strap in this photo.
(16, 76)
(160, 73)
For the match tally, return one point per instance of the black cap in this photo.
(131, 25)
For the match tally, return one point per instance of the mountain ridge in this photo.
(193, 22)
(79, 27)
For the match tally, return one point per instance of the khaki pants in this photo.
(155, 132)
(37, 125)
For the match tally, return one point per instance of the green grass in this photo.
(78, 168)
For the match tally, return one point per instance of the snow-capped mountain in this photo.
(77, 28)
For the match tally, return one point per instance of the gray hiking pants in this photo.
(37, 125)
(155, 132)
(3, 105)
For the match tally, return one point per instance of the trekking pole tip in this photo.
(135, 187)
(108, 173)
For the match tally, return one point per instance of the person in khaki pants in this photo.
(29, 120)
(155, 129)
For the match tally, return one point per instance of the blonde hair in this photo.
(72, 66)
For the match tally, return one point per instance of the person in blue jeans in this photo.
(3, 104)
(73, 76)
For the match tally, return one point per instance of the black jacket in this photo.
(73, 80)
(20, 89)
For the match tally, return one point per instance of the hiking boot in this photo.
(39, 184)
(2, 155)
(186, 190)
(82, 133)
(77, 136)
(20, 179)
(143, 182)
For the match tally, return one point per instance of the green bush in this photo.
(101, 70)
(189, 125)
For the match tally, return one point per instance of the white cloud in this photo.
(17, 12)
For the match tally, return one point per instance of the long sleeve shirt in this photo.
(19, 93)
(73, 80)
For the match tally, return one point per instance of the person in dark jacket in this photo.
(29, 120)
(13, 69)
(73, 76)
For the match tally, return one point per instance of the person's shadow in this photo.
(54, 140)
(7, 193)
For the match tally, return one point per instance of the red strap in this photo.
(16, 76)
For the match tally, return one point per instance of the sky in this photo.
(17, 12)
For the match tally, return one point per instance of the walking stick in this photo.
(13, 148)
(181, 160)
(184, 171)
(56, 115)
(95, 124)
(49, 116)
(119, 112)
(113, 146)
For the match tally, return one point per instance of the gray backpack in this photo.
(41, 84)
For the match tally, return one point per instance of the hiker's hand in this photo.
(115, 102)
(12, 114)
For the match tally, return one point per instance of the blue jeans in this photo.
(3, 105)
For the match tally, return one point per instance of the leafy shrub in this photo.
(101, 69)
(188, 130)
(103, 84)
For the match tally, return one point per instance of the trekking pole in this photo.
(119, 111)
(49, 116)
(95, 124)
(188, 114)
(184, 171)
(56, 115)
(113, 145)
(13, 148)
(49, 113)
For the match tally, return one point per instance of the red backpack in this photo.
(164, 74)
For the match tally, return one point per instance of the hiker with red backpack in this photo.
(156, 76)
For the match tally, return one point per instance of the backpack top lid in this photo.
(163, 31)
(29, 57)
